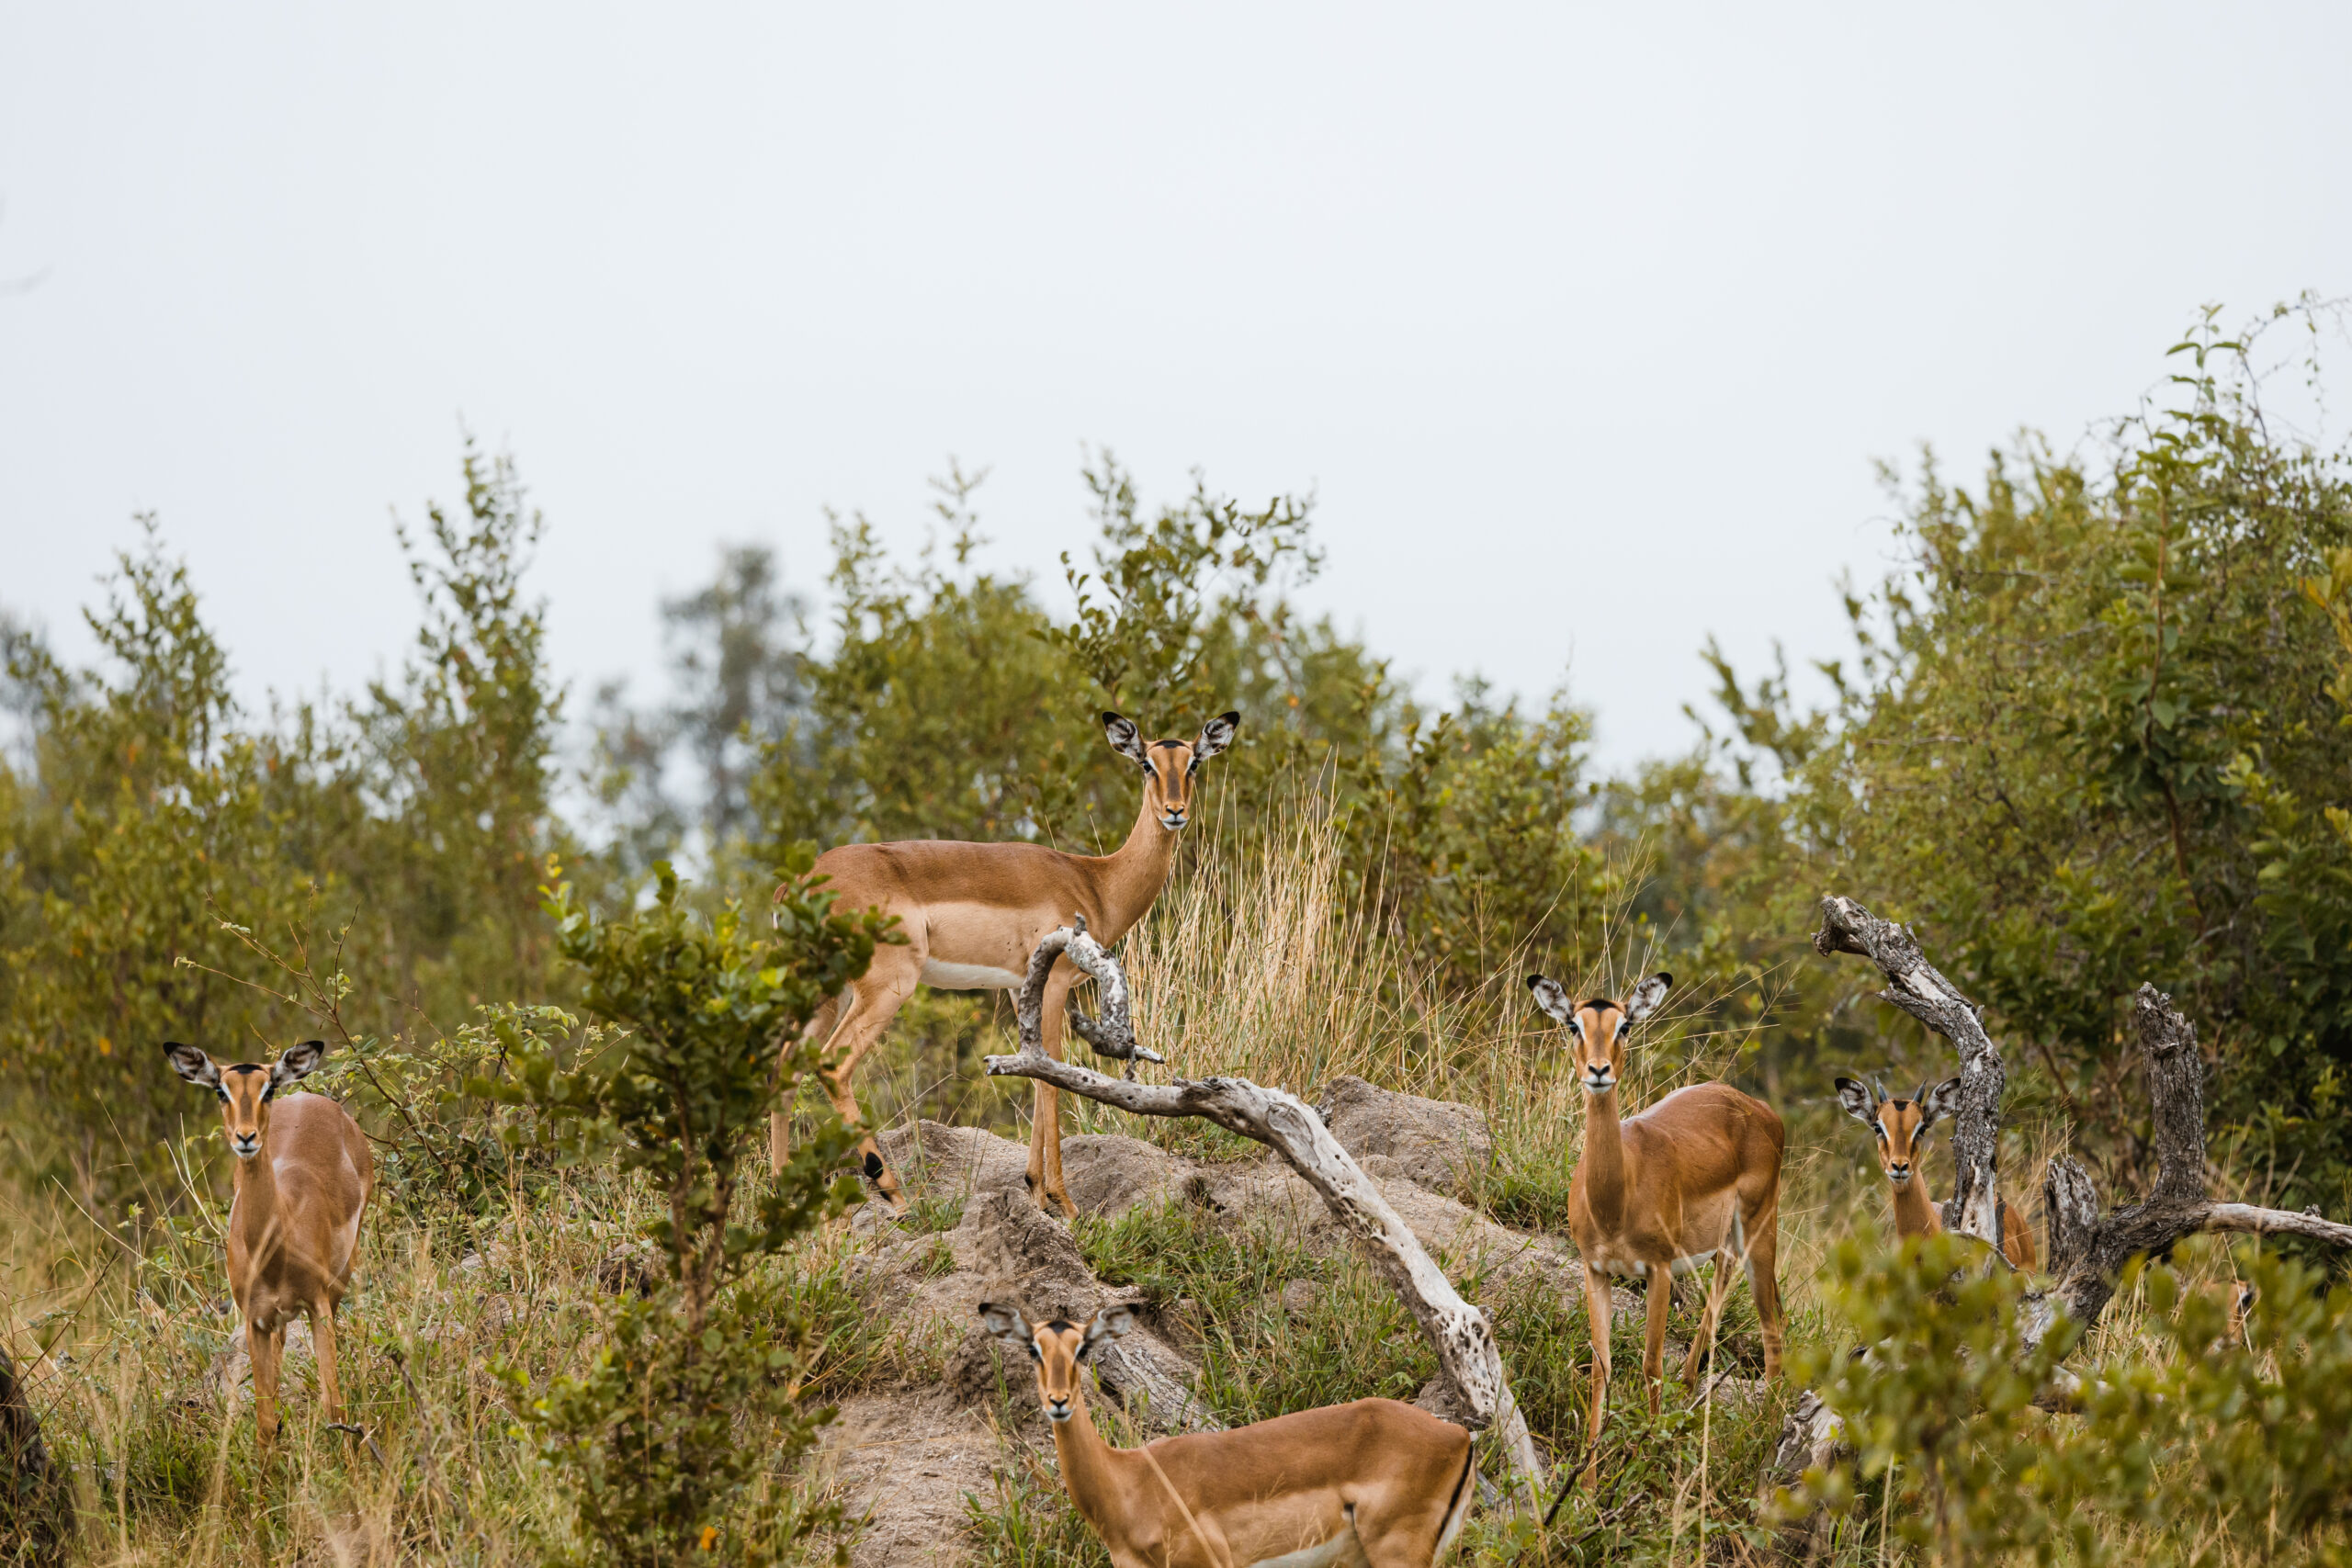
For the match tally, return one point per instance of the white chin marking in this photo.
(967, 976)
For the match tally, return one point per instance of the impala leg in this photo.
(1046, 1105)
(1764, 1278)
(1702, 1345)
(821, 1027)
(1654, 1341)
(322, 1342)
(263, 1350)
(873, 1000)
(1596, 1307)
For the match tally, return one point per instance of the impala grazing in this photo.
(971, 913)
(1695, 1176)
(1374, 1482)
(1901, 1127)
(304, 1176)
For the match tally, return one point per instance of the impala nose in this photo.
(1058, 1409)
(1599, 1080)
(1900, 1171)
(246, 1144)
(1173, 819)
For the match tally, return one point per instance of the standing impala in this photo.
(1901, 1127)
(971, 913)
(304, 1176)
(1374, 1482)
(1695, 1176)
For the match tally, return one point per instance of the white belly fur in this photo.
(1341, 1548)
(967, 976)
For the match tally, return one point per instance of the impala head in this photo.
(1056, 1347)
(1168, 766)
(1900, 1125)
(245, 1090)
(1597, 1028)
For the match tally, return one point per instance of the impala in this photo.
(1374, 1482)
(1695, 1176)
(1901, 1127)
(971, 913)
(303, 1179)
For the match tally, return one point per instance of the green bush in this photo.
(695, 1397)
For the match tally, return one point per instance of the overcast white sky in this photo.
(1585, 326)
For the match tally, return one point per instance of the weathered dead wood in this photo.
(1469, 1359)
(2088, 1252)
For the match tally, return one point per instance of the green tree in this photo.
(2092, 736)
(654, 1432)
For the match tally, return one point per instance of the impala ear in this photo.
(1646, 995)
(1008, 1326)
(295, 1063)
(192, 1065)
(1552, 997)
(1124, 737)
(1109, 1324)
(1858, 1102)
(1216, 735)
(1938, 1102)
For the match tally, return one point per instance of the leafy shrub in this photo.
(653, 1433)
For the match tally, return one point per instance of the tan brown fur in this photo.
(1898, 1127)
(1394, 1477)
(983, 907)
(304, 1175)
(1697, 1175)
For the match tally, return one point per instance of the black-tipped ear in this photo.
(1124, 737)
(1646, 995)
(1004, 1324)
(1938, 1102)
(295, 1063)
(192, 1065)
(1552, 997)
(1858, 1102)
(1109, 1324)
(1216, 735)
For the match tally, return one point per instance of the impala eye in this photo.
(223, 1094)
(1035, 1354)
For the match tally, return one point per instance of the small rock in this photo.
(1441, 1145)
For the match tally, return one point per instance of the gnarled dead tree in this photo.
(2087, 1250)
(1470, 1362)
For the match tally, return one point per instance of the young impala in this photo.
(1901, 1127)
(1374, 1482)
(971, 913)
(304, 1176)
(1695, 1176)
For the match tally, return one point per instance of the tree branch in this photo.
(1468, 1356)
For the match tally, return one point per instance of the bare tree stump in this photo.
(1469, 1359)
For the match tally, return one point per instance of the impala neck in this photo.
(1914, 1215)
(1602, 1164)
(1131, 877)
(253, 1207)
(1090, 1466)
